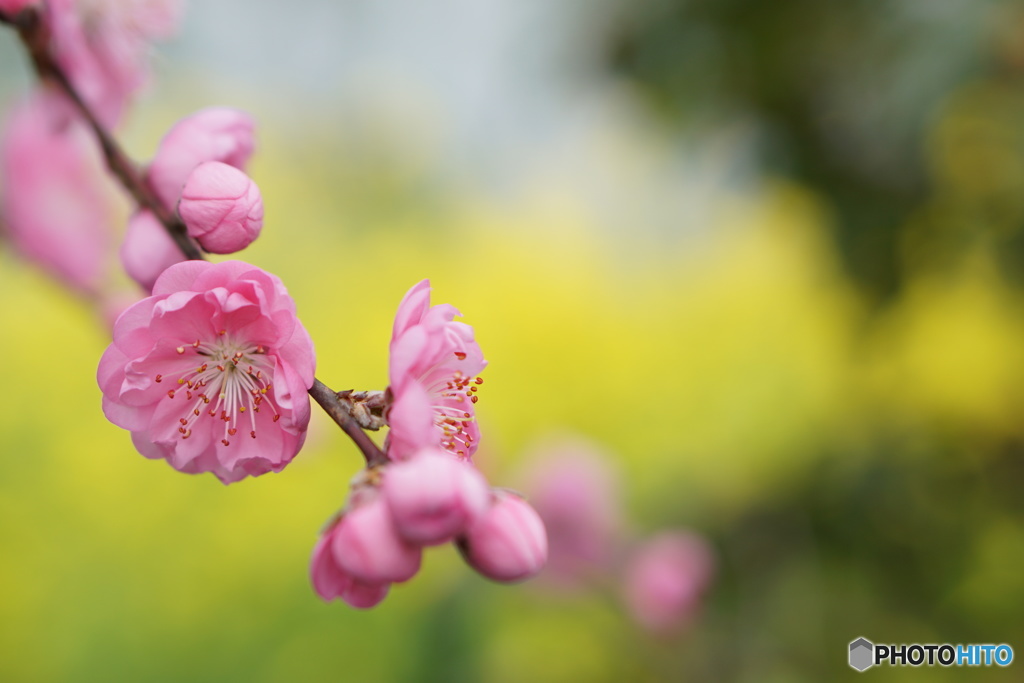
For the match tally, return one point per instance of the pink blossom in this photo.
(330, 581)
(433, 496)
(433, 382)
(367, 546)
(666, 578)
(211, 371)
(508, 542)
(55, 209)
(221, 207)
(213, 134)
(104, 45)
(573, 487)
(147, 249)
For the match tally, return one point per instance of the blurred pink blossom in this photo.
(104, 46)
(434, 496)
(55, 206)
(573, 487)
(508, 542)
(665, 579)
(147, 249)
(211, 371)
(330, 581)
(433, 379)
(221, 207)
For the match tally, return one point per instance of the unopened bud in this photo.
(330, 581)
(214, 134)
(368, 548)
(147, 250)
(221, 207)
(433, 496)
(508, 542)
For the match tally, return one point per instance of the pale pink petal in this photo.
(365, 595)
(412, 308)
(327, 578)
(181, 278)
(145, 446)
(110, 373)
(411, 420)
(408, 352)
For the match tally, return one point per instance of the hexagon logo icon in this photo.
(862, 653)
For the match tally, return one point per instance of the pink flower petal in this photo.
(196, 373)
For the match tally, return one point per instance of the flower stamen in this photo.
(238, 391)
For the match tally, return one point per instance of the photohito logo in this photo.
(864, 654)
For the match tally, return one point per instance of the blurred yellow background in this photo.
(849, 441)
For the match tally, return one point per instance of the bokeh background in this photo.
(768, 255)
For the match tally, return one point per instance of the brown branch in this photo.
(334, 405)
(35, 35)
(365, 407)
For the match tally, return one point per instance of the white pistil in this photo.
(232, 376)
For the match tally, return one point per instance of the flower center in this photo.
(231, 379)
(453, 398)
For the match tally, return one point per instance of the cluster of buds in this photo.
(426, 491)
(396, 510)
(55, 208)
(198, 171)
(213, 371)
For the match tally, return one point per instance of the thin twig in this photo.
(339, 412)
(34, 34)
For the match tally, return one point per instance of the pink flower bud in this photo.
(214, 134)
(221, 207)
(147, 250)
(665, 579)
(330, 581)
(367, 547)
(433, 496)
(508, 542)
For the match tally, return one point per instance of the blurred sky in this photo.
(497, 97)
